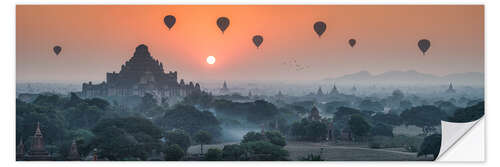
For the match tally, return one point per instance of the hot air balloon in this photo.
(257, 40)
(57, 49)
(352, 42)
(169, 21)
(223, 23)
(319, 27)
(424, 45)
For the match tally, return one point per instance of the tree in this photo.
(116, 144)
(200, 98)
(73, 100)
(257, 112)
(173, 153)
(253, 136)
(149, 105)
(382, 130)
(213, 154)
(52, 122)
(262, 111)
(49, 100)
(178, 137)
(232, 152)
(202, 137)
(100, 103)
(431, 145)
(359, 126)
(423, 116)
(275, 138)
(189, 119)
(370, 105)
(331, 107)
(468, 114)
(388, 118)
(345, 112)
(446, 106)
(405, 104)
(125, 138)
(83, 115)
(309, 130)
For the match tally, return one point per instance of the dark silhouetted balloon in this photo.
(352, 42)
(257, 40)
(223, 23)
(169, 21)
(57, 49)
(319, 27)
(424, 45)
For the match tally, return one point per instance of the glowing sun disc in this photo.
(210, 60)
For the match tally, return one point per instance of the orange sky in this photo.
(98, 39)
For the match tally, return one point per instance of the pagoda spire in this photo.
(334, 89)
(450, 89)
(73, 152)
(20, 150)
(224, 88)
(38, 139)
(37, 151)
(354, 88)
(320, 92)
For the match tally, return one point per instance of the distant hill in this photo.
(409, 77)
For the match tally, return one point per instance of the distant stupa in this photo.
(20, 151)
(334, 90)
(73, 152)
(279, 94)
(450, 89)
(320, 92)
(314, 114)
(354, 89)
(224, 88)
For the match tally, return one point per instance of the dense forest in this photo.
(154, 130)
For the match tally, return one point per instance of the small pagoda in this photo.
(37, 151)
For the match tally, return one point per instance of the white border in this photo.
(7, 88)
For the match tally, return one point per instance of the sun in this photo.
(210, 60)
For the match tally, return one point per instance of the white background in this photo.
(492, 17)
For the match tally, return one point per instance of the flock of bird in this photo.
(319, 27)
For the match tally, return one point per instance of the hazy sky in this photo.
(99, 39)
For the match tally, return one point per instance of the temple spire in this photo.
(20, 150)
(224, 88)
(334, 90)
(320, 92)
(450, 89)
(38, 131)
(37, 151)
(73, 152)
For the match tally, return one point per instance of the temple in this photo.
(140, 75)
(320, 92)
(450, 89)
(314, 114)
(354, 89)
(37, 151)
(334, 90)
(224, 88)
(20, 151)
(73, 152)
